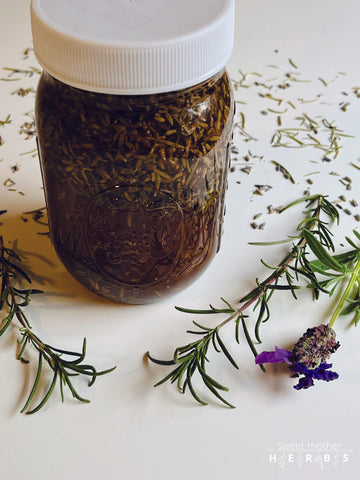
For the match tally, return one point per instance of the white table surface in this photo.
(131, 430)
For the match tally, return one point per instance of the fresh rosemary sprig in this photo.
(313, 235)
(336, 270)
(64, 364)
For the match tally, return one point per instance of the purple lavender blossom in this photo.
(277, 356)
(321, 372)
(307, 357)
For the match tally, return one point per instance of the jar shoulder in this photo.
(52, 92)
(191, 120)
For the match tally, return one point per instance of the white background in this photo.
(135, 432)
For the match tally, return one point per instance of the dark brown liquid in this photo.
(135, 185)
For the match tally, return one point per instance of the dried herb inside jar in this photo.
(135, 184)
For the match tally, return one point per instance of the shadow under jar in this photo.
(135, 184)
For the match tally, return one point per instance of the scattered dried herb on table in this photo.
(289, 125)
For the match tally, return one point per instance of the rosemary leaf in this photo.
(12, 301)
(315, 237)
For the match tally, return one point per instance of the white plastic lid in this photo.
(132, 46)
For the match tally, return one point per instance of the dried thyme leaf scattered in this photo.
(284, 171)
(23, 92)
(9, 183)
(6, 121)
(355, 166)
(261, 189)
(19, 71)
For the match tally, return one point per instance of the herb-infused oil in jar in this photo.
(134, 114)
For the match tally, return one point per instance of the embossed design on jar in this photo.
(132, 239)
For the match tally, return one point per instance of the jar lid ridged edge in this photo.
(134, 69)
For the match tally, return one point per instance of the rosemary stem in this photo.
(191, 358)
(256, 293)
(345, 295)
(18, 312)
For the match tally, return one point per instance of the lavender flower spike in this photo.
(308, 356)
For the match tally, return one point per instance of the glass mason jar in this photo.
(134, 180)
